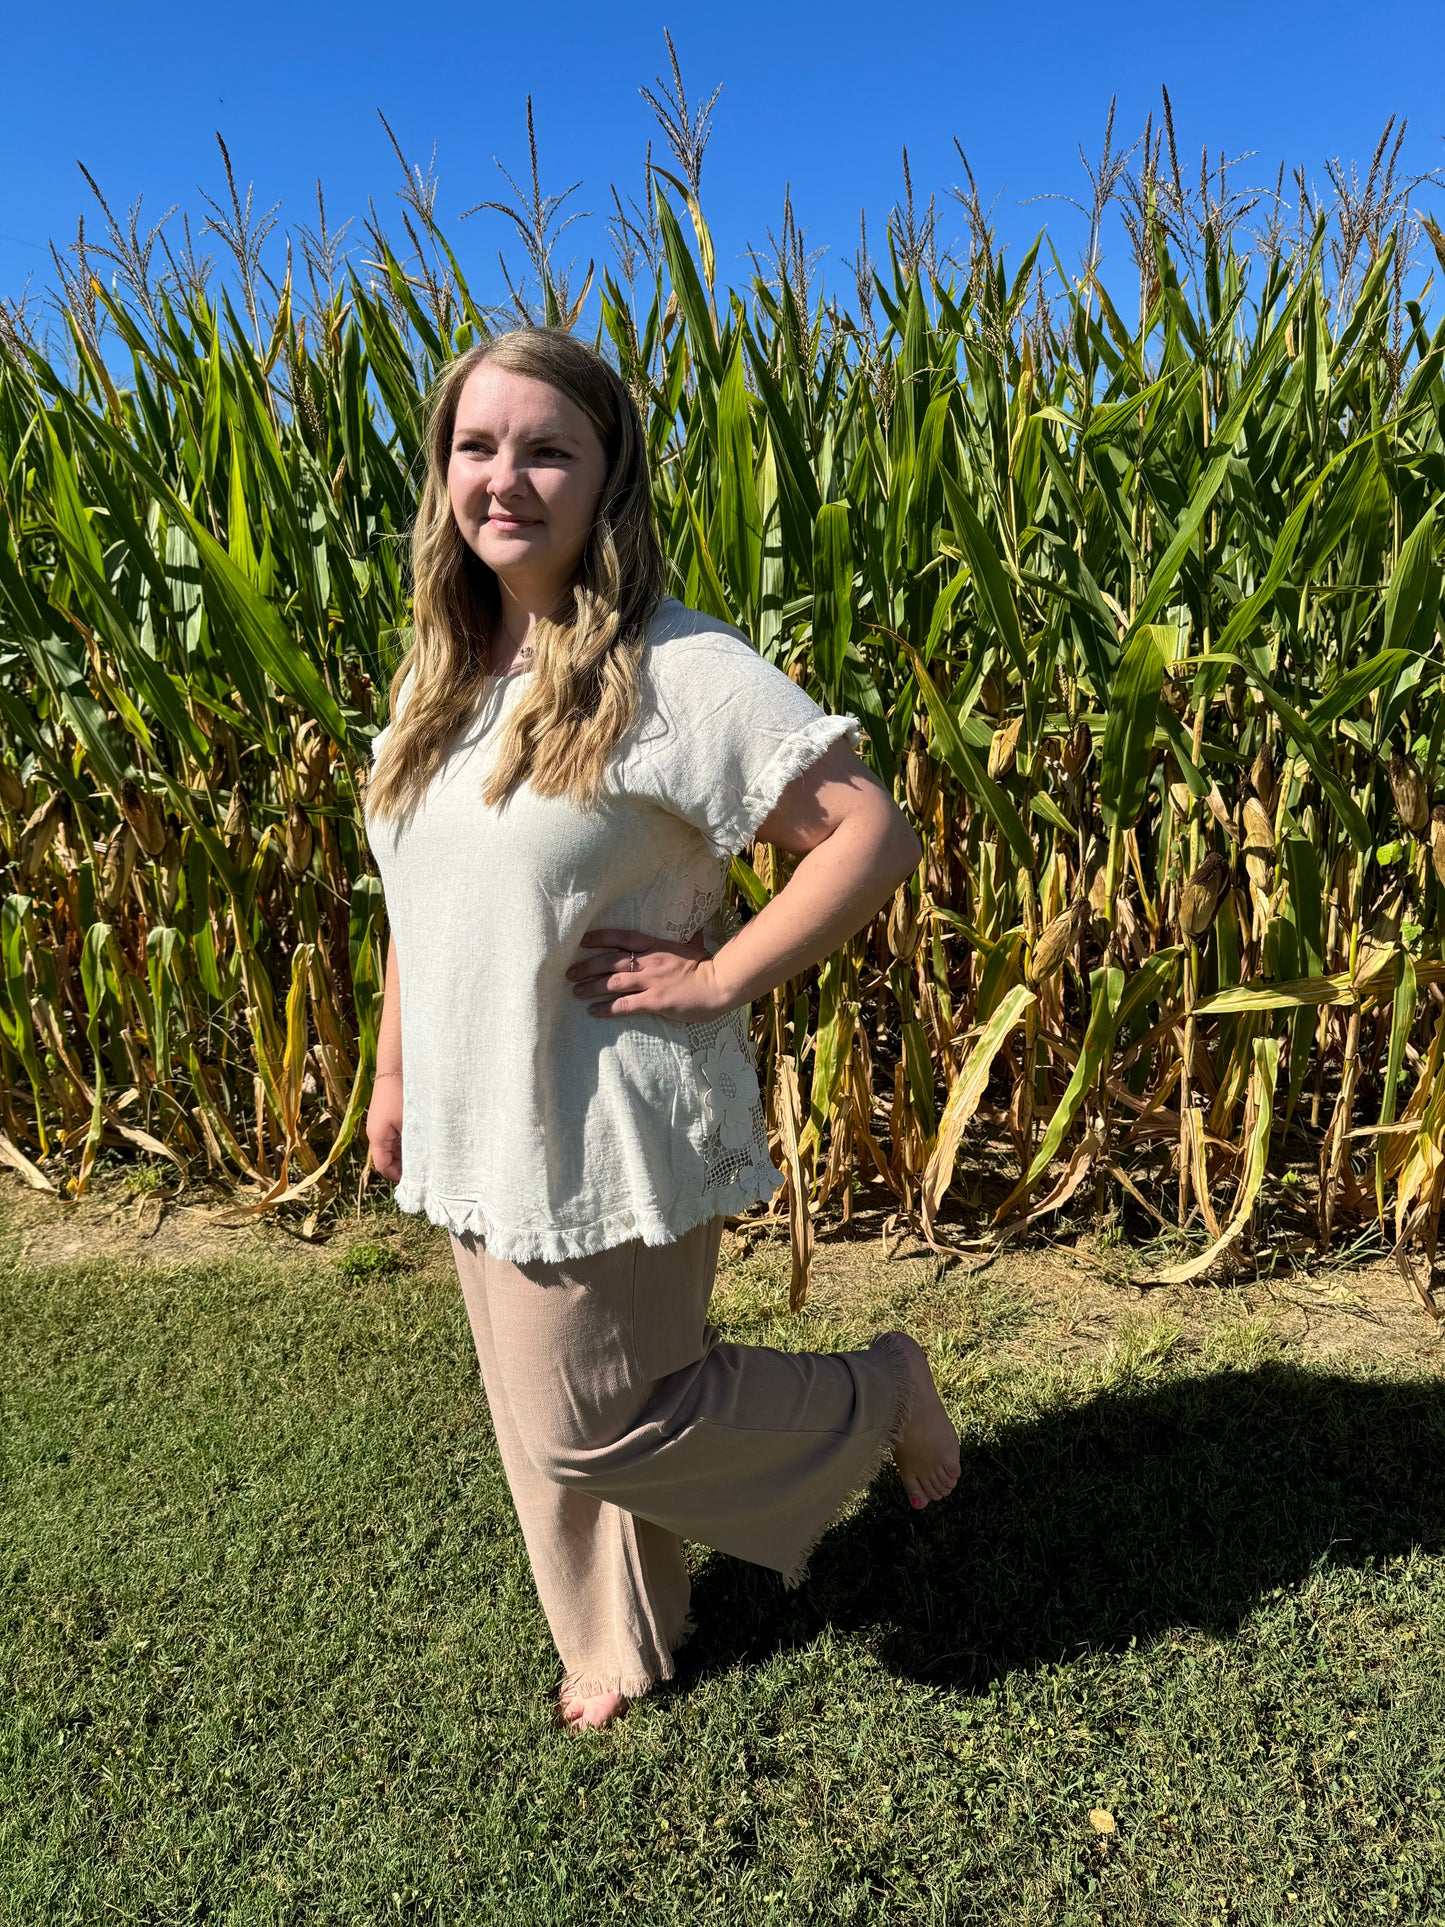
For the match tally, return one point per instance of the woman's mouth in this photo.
(497, 520)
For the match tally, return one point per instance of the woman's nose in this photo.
(504, 475)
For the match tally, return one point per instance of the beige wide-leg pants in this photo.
(626, 1424)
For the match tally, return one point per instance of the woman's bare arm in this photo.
(856, 847)
(388, 1039)
(384, 1114)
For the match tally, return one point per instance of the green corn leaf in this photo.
(737, 491)
(1300, 994)
(970, 772)
(1356, 687)
(1129, 730)
(260, 629)
(692, 299)
(1412, 600)
(1047, 810)
(988, 571)
(1317, 755)
(832, 591)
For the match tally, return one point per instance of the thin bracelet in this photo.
(375, 1075)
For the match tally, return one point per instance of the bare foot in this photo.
(926, 1452)
(599, 1710)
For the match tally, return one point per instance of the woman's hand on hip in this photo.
(672, 979)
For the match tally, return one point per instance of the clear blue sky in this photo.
(822, 97)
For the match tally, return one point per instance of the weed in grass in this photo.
(142, 1180)
(366, 1260)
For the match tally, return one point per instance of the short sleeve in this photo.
(730, 732)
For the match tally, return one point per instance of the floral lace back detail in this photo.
(738, 1171)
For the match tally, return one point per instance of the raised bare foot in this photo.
(926, 1452)
(601, 1709)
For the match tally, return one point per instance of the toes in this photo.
(586, 1715)
(937, 1485)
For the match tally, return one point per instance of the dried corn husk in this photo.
(1004, 748)
(358, 684)
(237, 830)
(1199, 899)
(170, 868)
(1056, 941)
(1077, 749)
(222, 751)
(1412, 799)
(905, 926)
(1388, 917)
(1261, 774)
(300, 841)
(12, 790)
(1437, 840)
(116, 868)
(917, 774)
(1215, 804)
(1098, 893)
(1374, 963)
(38, 835)
(1258, 842)
(313, 760)
(145, 816)
(1176, 689)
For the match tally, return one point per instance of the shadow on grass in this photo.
(1176, 1505)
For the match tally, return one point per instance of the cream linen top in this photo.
(548, 1132)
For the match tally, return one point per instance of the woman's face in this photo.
(525, 476)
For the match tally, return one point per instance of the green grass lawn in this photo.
(270, 1650)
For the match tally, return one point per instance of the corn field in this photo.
(1141, 614)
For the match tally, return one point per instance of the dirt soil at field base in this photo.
(1069, 1298)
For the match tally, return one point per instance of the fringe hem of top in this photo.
(892, 1345)
(555, 1244)
(631, 1686)
(795, 754)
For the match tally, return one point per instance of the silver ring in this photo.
(633, 955)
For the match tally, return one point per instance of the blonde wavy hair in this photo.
(584, 688)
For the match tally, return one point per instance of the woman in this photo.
(571, 760)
